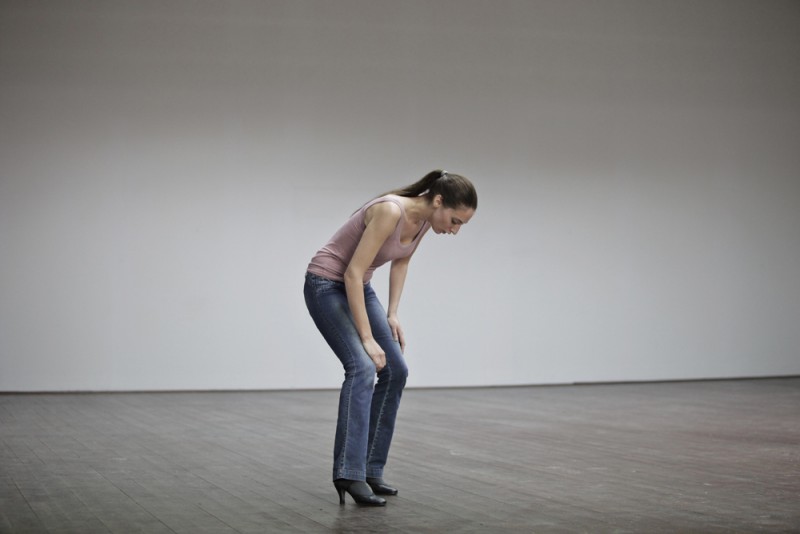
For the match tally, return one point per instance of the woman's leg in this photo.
(388, 391)
(327, 304)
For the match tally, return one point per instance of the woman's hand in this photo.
(397, 332)
(375, 353)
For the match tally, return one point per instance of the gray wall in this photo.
(168, 168)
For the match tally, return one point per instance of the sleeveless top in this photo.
(331, 261)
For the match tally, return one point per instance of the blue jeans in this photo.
(367, 411)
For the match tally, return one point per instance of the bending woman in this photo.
(365, 338)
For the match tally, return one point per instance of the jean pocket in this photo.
(321, 284)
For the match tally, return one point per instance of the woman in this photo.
(367, 339)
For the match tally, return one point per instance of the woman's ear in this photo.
(437, 201)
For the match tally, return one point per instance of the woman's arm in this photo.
(381, 221)
(397, 278)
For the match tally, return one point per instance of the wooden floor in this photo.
(666, 457)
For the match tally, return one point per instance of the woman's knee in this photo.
(401, 371)
(395, 371)
(362, 372)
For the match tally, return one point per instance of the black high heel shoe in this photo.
(380, 487)
(359, 491)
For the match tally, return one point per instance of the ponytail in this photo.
(420, 187)
(456, 190)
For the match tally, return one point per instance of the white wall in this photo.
(168, 168)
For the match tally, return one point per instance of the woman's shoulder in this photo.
(386, 208)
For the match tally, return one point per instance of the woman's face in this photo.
(450, 220)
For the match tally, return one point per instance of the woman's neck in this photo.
(417, 209)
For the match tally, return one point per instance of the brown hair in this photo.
(456, 190)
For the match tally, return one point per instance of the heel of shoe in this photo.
(340, 490)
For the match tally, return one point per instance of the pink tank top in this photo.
(331, 261)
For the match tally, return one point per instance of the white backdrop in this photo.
(167, 169)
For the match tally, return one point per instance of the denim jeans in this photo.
(367, 410)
